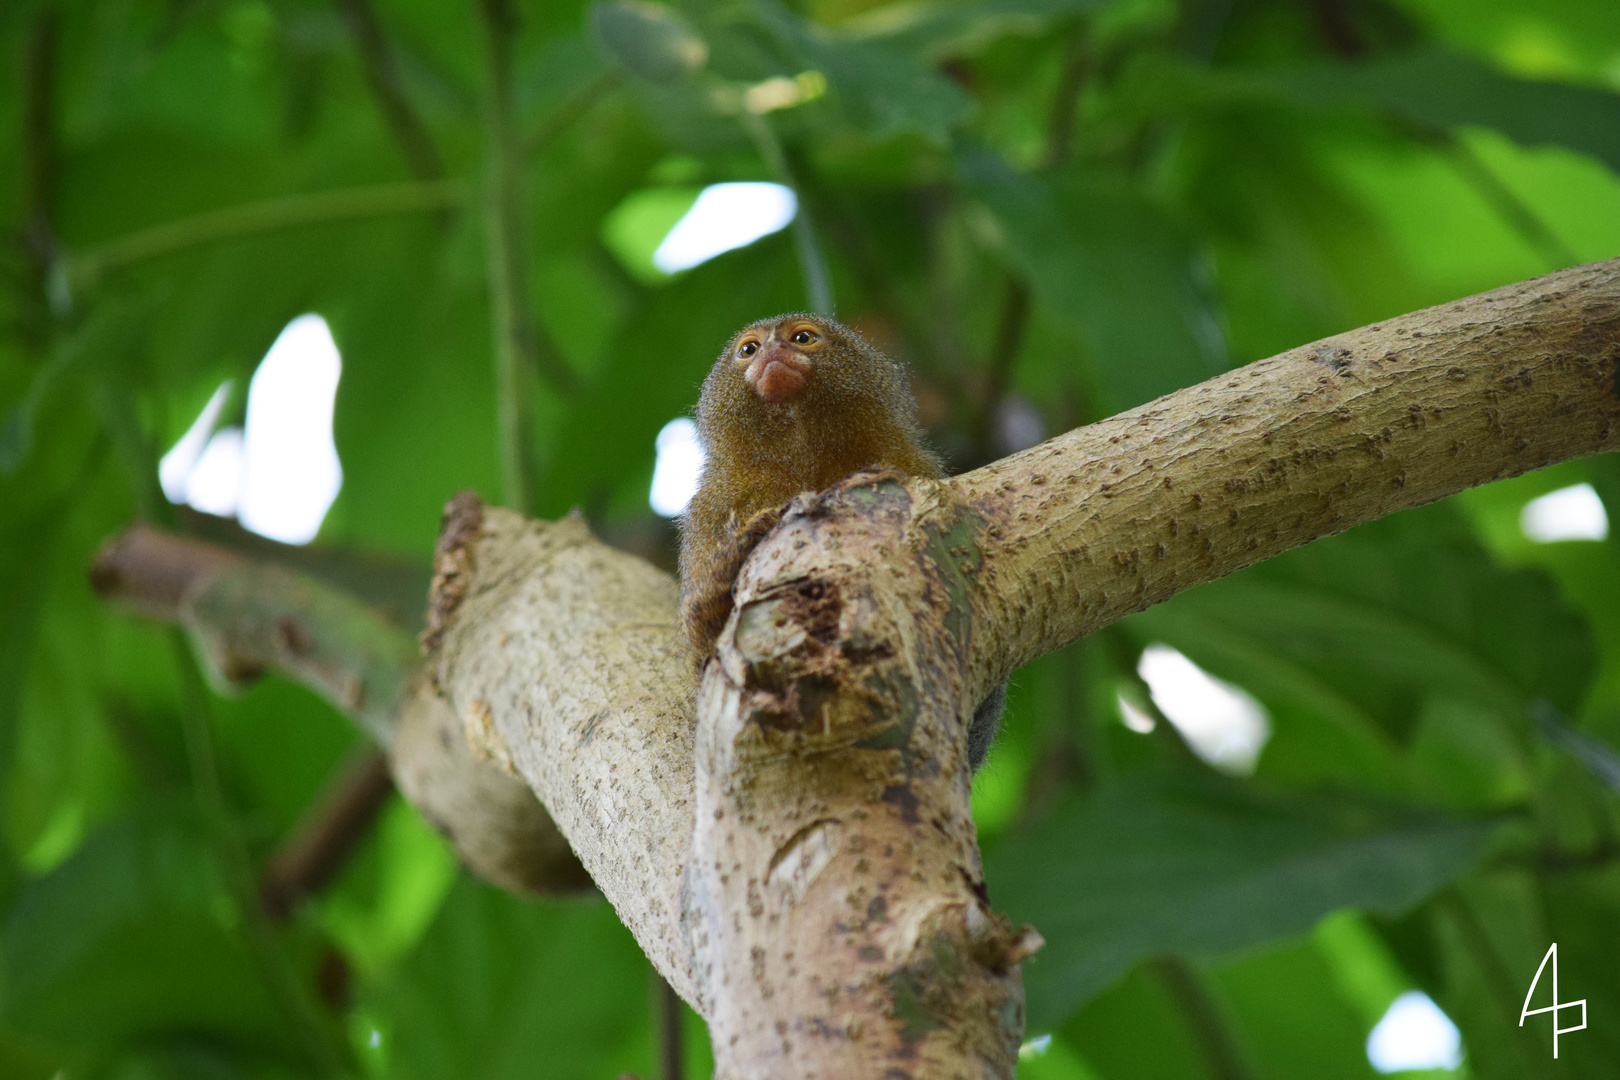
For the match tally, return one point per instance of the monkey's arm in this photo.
(708, 574)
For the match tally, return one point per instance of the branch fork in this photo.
(790, 840)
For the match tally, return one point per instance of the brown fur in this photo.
(854, 412)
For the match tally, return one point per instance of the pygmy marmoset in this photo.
(793, 404)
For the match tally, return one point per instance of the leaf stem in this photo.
(521, 350)
(1203, 1014)
(1015, 299)
(382, 74)
(817, 281)
(575, 106)
(39, 174)
(196, 719)
(671, 1045)
(375, 200)
(1515, 213)
(508, 288)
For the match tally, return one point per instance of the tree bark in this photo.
(799, 861)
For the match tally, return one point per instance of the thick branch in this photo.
(835, 878)
(1112, 518)
(564, 661)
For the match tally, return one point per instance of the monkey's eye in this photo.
(748, 348)
(805, 337)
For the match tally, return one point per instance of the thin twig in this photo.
(39, 168)
(817, 282)
(1515, 213)
(382, 74)
(520, 353)
(1209, 1028)
(1066, 102)
(196, 720)
(1337, 28)
(335, 823)
(671, 1044)
(575, 106)
(1003, 357)
(1015, 296)
(293, 995)
(1499, 981)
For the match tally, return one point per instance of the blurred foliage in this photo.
(1052, 209)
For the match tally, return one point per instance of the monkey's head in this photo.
(805, 392)
(778, 357)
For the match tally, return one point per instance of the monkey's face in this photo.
(778, 358)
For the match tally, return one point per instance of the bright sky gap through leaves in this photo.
(279, 473)
(725, 216)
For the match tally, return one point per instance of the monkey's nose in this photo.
(779, 374)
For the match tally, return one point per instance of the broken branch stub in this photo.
(844, 927)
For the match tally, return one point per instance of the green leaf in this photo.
(1107, 262)
(1198, 867)
(1446, 90)
(881, 90)
(1355, 641)
(648, 40)
(935, 31)
(638, 225)
(1290, 1014)
(500, 984)
(136, 933)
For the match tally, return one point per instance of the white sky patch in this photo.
(214, 484)
(725, 216)
(1034, 1048)
(280, 474)
(1136, 719)
(676, 472)
(1414, 1034)
(1221, 723)
(1572, 513)
(175, 469)
(1018, 425)
(290, 470)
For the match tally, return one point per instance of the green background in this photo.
(1175, 188)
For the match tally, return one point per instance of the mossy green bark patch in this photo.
(953, 548)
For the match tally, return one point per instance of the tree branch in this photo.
(320, 844)
(247, 617)
(564, 658)
(813, 883)
(1115, 517)
(802, 865)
